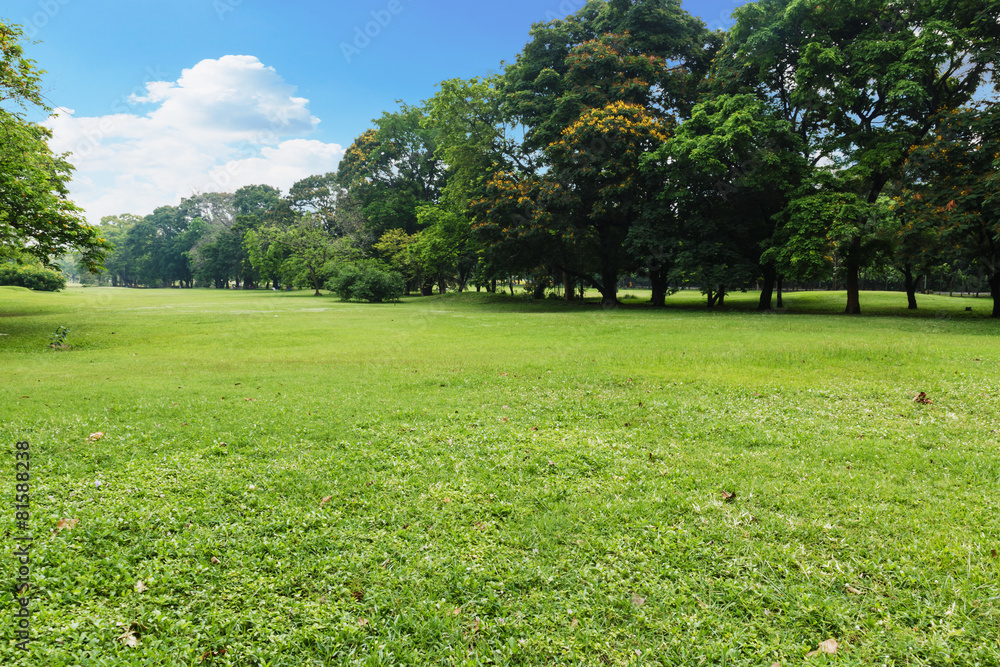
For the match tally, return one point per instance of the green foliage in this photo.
(36, 214)
(31, 276)
(58, 339)
(367, 282)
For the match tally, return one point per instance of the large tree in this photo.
(593, 91)
(861, 81)
(393, 169)
(36, 214)
(953, 188)
(722, 179)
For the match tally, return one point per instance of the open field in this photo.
(505, 482)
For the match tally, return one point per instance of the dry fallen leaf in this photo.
(853, 591)
(140, 587)
(638, 601)
(362, 622)
(575, 622)
(922, 398)
(829, 646)
(128, 638)
(210, 653)
(358, 595)
(65, 524)
(325, 500)
(728, 497)
(216, 560)
(94, 437)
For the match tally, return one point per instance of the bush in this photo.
(367, 283)
(32, 277)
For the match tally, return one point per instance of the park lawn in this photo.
(478, 479)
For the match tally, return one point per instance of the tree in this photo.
(36, 214)
(316, 195)
(720, 181)
(594, 91)
(397, 250)
(861, 81)
(953, 187)
(392, 169)
(310, 252)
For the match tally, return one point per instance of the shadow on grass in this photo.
(873, 304)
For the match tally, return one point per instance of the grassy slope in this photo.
(509, 482)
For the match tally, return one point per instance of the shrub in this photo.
(32, 277)
(367, 283)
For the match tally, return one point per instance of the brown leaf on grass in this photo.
(212, 654)
(65, 524)
(94, 437)
(358, 595)
(638, 601)
(728, 497)
(575, 622)
(829, 646)
(140, 587)
(993, 552)
(922, 398)
(446, 500)
(325, 500)
(215, 560)
(853, 591)
(128, 638)
(458, 610)
(362, 622)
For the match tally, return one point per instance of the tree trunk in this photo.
(994, 281)
(779, 289)
(658, 280)
(910, 282)
(609, 282)
(539, 291)
(442, 284)
(567, 286)
(853, 273)
(427, 288)
(721, 299)
(711, 298)
(767, 292)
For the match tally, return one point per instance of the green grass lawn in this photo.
(475, 479)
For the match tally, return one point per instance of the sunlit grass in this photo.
(505, 481)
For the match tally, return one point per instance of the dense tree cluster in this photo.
(812, 142)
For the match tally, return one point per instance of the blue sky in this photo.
(156, 106)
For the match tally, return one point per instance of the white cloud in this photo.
(223, 124)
